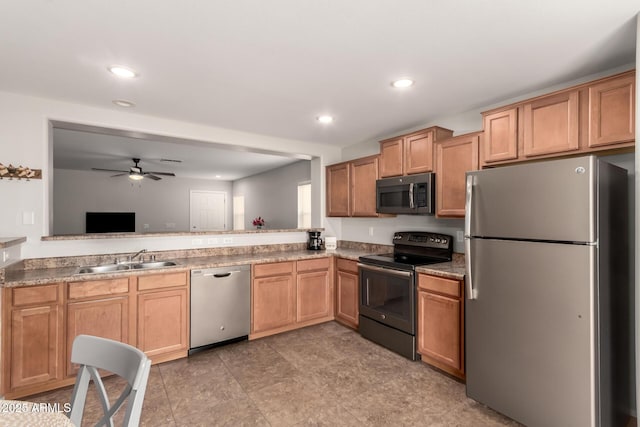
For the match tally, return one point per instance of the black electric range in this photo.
(388, 288)
(414, 248)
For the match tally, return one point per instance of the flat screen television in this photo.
(110, 222)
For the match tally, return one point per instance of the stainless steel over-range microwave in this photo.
(413, 194)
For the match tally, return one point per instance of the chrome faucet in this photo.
(131, 257)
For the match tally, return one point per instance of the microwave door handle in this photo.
(411, 204)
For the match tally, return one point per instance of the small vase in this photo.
(259, 227)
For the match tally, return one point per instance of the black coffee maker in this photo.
(315, 242)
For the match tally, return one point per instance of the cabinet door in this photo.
(347, 291)
(36, 345)
(454, 157)
(612, 112)
(439, 326)
(162, 322)
(418, 153)
(106, 318)
(314, 296)
(501, 136)
(338, 197)
(364, 173)
(551, 125)
(391, 157)
(273, 303)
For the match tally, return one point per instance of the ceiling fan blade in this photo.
(162, 173)
(109, 170)
(153, 177)
(120, 174)
(171, 160)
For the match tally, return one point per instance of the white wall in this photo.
(25, 140)
(273, 195)
(162, 205)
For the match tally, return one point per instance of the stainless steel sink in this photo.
(111, 268)
(153, 264)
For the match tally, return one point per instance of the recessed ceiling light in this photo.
(402, 83)
(218, 176)
(325, 119)
(123, 103)
(124, 72)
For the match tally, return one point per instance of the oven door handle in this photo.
(386, 270)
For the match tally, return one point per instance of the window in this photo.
(238, 212)
(304, 205)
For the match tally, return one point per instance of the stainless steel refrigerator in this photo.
(547, 313)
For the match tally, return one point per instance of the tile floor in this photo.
(324, 375)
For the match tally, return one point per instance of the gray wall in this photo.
(160, 204)
(273, 195)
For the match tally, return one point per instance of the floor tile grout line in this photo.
(166, 393)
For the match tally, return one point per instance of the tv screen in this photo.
(111, 222)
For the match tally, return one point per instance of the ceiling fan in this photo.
(135, 172)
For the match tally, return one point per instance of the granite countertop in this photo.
(6, 242)
(455, 269)
(42, 276)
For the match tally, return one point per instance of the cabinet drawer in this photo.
(440, 285)
(95, 288)
(346, 265)
(273, 269)
(166, 280)
(314, 264)
(34, 295)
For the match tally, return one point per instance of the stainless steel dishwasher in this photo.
(220, 306)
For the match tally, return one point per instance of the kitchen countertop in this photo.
(6, 242)
(43, 276)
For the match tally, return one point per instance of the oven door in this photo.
(387, 296)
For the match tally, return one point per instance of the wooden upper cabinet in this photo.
(593, 116)
(351, 187)
(410, 154)
(418, 153)
(501, 136)
(391, 157)
(551, 125)
(364, 173)
(454, 157)
(612, 112)
(338, 190)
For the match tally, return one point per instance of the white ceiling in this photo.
(271, 67)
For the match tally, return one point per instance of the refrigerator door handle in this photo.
(468, 279)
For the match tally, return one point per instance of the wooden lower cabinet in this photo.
(441, 323)
(163, 324)
(32, 339)
(163, 315)
(39, 324)
(289, 295)
(106, 318)
(273, 297)
(347, 292)
(314, 292)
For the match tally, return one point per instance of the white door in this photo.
(207, 210)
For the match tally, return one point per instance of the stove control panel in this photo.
(423, 239)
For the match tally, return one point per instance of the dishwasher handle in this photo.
(220, 275)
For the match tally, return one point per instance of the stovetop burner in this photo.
(414, 248)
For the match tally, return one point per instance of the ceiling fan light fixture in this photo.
(136, 176)
(122, 71)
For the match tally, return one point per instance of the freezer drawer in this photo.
(531, 331)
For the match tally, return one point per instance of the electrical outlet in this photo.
(212, 241)
(5, 256)
(170, 225)
(196, 242)
(227, 240)
(145, 226)
(460, 236)
(370, 231)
